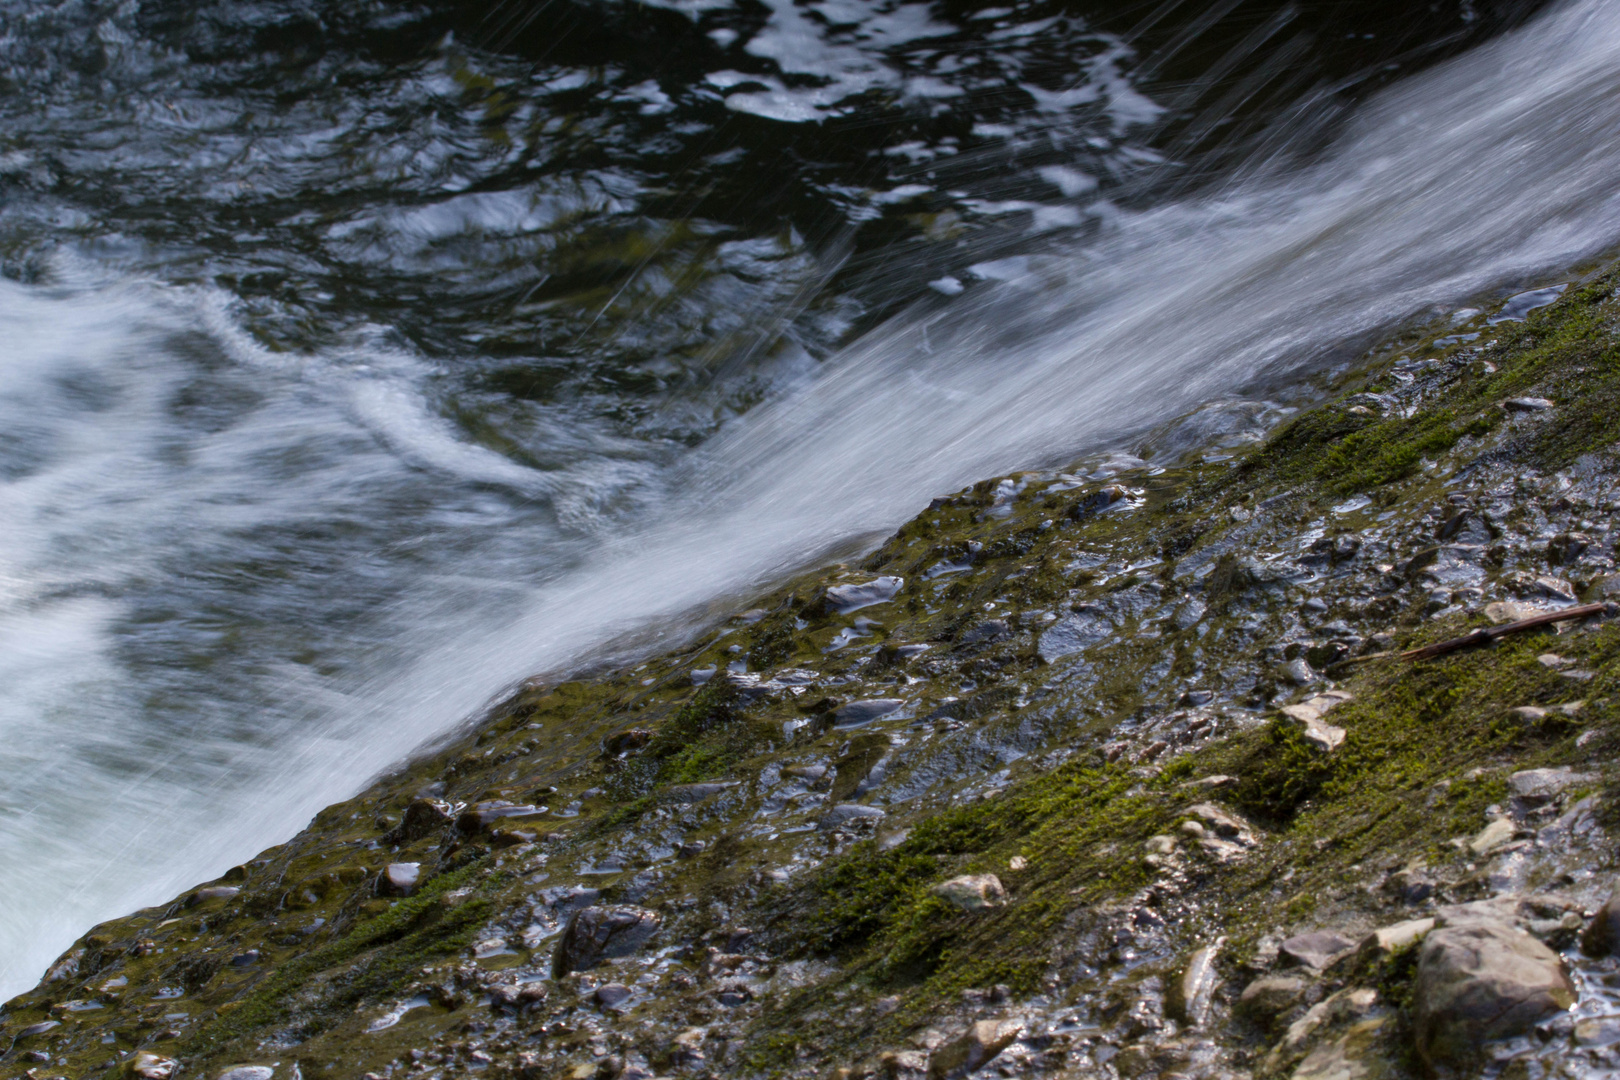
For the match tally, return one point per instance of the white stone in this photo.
(1491, 837)
(247, 1072)
(972, 892)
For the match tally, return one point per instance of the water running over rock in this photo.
(294, 485)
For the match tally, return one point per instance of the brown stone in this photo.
(1270, 997)
(971, 1050)
(423, 817)
(1602, 935)
(1317, 949)
(1481, 981)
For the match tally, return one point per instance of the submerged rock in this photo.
(594, 934)
(1075, 633)
(694, 793)
(857, 713)
(972, 1050)
(1479, 982)
(487, 814)
(845, 815)
(213, 892)
(843, 599)
(1298, 671)
(611, 995)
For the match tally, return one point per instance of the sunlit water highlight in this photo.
(148, 438)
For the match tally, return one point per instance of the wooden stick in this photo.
(1486, 635)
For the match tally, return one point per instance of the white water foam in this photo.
(1486, 172)
(164, 477)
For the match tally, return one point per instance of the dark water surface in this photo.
(356, 358)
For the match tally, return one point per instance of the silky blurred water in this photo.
(355, 362)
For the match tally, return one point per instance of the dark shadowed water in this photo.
(357, 359)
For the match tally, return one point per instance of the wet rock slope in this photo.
(1117, 771)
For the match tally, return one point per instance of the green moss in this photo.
(704, 740)
(774, 643)
(1405, 782)
(874, 908)
(385, 951)
(1348, 452)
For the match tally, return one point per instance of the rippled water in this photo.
(360, 359)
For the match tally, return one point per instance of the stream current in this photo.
(357, 360)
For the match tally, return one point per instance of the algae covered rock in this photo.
(423, 817)
(1347, 1007)
(594, 934)
(1352, 1056)
(843, 599)
(694, 793)
(987, 632)
(1480, 981)
(1269, 997)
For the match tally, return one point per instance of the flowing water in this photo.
(357, 360)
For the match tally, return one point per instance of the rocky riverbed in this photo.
(1110, 771)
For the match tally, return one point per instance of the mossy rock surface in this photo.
(1089, 682)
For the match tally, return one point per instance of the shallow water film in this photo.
(358, 360)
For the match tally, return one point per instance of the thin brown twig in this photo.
(1486, 635)
(1481, 636)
